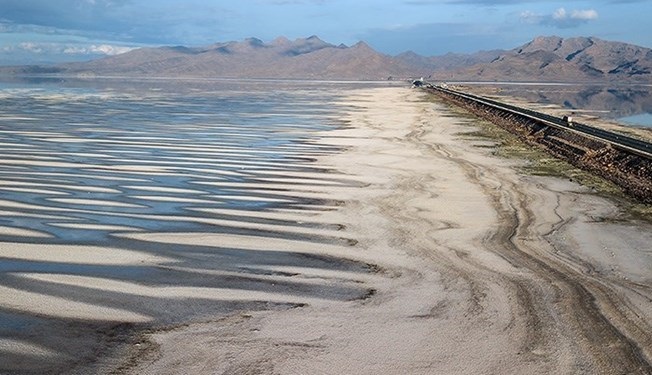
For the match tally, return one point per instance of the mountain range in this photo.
(544, 59)
(305, 58)
(554, 59)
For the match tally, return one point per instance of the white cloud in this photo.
(32, 47)
(560, 18)
(529, 16)
(101, 49)
(559, 14)
(73, 49)
(588, 14)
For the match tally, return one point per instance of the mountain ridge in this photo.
(552, 58)
(543, 59)
(303, 58)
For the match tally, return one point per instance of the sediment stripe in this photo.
(148, 210)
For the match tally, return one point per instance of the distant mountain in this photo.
(449, 61)
(554, 59)
(545, 59)
(305, 58)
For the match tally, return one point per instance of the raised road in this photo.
(616, 140)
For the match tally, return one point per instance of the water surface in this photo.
(628, 104)
(115, 193)
(114, 155)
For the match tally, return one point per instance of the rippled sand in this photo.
(391, 245)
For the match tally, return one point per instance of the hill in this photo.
(554, 59)
(544, 59)
(305, 58)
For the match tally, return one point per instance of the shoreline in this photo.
(480, 269)
(589, 116)
(629, 170)
(420, 252)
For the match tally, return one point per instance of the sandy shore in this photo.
(427, 256)
(479, 269)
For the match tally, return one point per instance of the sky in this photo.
(50, 31)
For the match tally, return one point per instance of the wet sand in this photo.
(418, 254)
(477, 269)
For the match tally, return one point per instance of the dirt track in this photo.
(479, 269)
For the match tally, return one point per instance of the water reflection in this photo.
(631, 104)
(130, 206)
(178, 86)
(642, 119)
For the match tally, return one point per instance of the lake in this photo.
(630, 105)
(111, 152)
(145, 202)
(127, 205)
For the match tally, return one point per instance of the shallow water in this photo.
(113, 191)
(108, 156)
(630, 105)
(641, 119)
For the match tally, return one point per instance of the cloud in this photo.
(32, 47)
(588, 14)
(69, 48)
(560, 18)
(479, 2)
(66, 14)
(97, 49)
(512, 2)
(153, 22)
(297, 2)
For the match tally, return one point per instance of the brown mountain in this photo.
(553, 59)
(304, 58)
(449, 61)
(309, 58)
(545, 59)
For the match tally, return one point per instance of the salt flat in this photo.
(385, 242)
(478, 269)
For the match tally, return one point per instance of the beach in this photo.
(408, 248)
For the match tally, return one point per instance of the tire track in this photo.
(612, 335)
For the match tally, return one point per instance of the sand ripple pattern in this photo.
(121, 210)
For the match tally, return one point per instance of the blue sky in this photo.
(38, 31)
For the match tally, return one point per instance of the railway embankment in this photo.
(615, 157)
